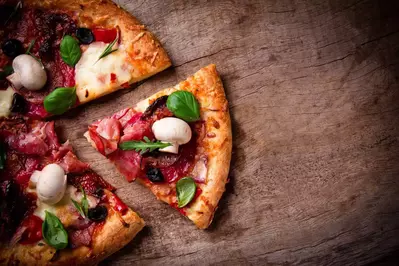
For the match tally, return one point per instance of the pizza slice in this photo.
(53, 208)
(177, 143)
(58, 54)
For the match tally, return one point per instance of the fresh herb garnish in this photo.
(184, 105)
(143, 146)
(108, 50)
(32, 42)
(54, 232)
(7, 70)
(17, 6)
(185, 191)
(3, 156)
(70, 50)
(60, 100)
(83, 206)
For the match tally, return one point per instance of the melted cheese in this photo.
(6, 101)
(64, 209)
(93, 76)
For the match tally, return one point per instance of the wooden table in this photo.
(314, 99)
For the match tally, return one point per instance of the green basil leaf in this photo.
(184, 105)
(3, 156)
(185, 190)
(70, 50)
(53, 232)
(143, 146)
(7, 70)
(60, 100)
(32, 42)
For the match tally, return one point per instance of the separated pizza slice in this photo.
(53, 208)
(58, 54)
(177, 143)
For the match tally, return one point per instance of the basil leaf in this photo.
(143, 146)
(7, 70)
(32, 42)
(184, 105)
(70, 50)
(185, 190)
(53, 232)
(60, 100)
(3, 156)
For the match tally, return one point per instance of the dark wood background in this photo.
(314, 99)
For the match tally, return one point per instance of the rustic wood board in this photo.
(314, 99)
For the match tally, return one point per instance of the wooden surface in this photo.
(314, 99)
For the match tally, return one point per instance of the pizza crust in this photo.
(144, 51)
(217, 144)
(117, 231)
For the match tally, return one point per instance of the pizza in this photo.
(53, 208)
(177, 143)
(58, 54)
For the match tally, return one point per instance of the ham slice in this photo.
(71, 164)
(81, 237)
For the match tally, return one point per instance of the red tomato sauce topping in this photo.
(33, 231)
(105, 35)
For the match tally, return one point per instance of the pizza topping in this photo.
(12, 48)
(53, 232)
(173, 130)
(60, 100)
(81, 237)
(117, 204)
(98, 214)
(184, 105)
(83, 206)
(28, 73)
(31, 229)
(105, 35)
(154, 175)
(89, 181)
(143, 146)
(6, 99)
(109, 49)
(185, 191)
(84, 35)
(51, 184)
(70, 50)
(3, 156)
(18, 104)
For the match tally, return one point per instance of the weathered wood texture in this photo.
(314, 98)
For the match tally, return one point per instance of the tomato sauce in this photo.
(33, 231)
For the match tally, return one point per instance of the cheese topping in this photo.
(6, 101)
(95, 77)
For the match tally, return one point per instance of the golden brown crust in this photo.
(145, 52)
(117, 231)
(217, 144)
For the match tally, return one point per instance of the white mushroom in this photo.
(51, 183)
(172, 130)
(28, 73)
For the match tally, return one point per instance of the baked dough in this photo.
(117, 231)
(217, 144)
(144, 52)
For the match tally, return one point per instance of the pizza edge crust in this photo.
(152, 57)
(117, 231)
(208, 89)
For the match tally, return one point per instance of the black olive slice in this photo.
(18, 104)
(155, 175)
(85, 35)
(12, 48)
(98, 213)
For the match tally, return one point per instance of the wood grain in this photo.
(314, 98)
